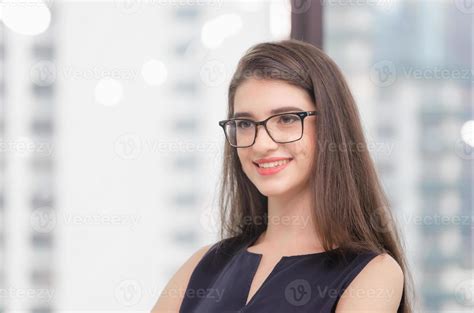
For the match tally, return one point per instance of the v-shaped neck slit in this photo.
(269, 276)
(234, 270)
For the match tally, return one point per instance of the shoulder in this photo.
(377, 288)
(172, 295)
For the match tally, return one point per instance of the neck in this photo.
(290, 227)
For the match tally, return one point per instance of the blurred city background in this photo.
(111, 152)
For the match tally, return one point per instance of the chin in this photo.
(270, 190)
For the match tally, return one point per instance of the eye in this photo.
(288, 118)
(244, 124)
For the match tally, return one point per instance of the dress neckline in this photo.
(245, 249)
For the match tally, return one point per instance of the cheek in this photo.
(304, 151)
(243, 158)
(305, 148)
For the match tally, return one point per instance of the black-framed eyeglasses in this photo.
(282, 128)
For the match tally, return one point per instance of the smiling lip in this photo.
(267, 160)
(273, 170)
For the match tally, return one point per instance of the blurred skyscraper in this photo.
(142, 85)
(410, 68)
(111, 150)
(27, 195)
(2, 165)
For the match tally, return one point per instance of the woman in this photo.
(307, 226)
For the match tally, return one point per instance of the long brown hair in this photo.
(351, 210)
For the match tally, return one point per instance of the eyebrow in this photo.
(274, 111)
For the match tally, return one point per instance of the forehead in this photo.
(258, 98)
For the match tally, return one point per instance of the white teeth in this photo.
(273, 164)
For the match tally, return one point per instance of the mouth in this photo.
(271, 168)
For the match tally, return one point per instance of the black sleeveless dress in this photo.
(220, 283)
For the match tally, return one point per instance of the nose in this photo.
(263, 138)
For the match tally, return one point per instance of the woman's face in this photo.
(259, 97)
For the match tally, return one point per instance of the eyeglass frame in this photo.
(302, 115)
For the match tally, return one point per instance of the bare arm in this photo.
(377, 289)
(172, 295)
